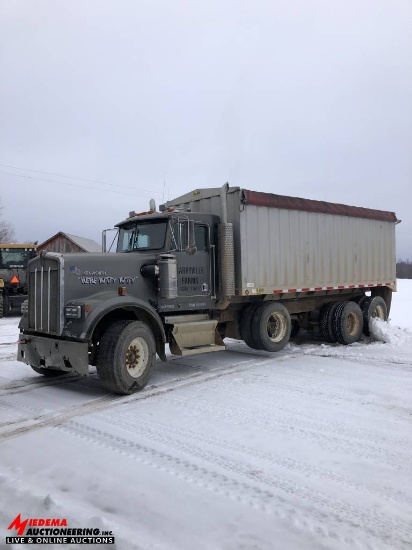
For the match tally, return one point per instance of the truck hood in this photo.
(89, 274)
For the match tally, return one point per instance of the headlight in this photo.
(73, 312)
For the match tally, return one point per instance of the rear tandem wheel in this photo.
(271, 326)
(373, 307)
(347, 323)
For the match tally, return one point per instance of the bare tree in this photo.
(404, 269)
(6, 230)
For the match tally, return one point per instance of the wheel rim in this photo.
(276, 327)
(352, 323)
(378, 313)
(137, 356)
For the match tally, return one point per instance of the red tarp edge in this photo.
(307, 205)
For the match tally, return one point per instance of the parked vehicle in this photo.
(214, 263)
(13, 276)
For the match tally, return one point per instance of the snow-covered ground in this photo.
(309, 448)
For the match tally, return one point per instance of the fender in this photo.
(102, 307)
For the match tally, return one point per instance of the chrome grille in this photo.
(45, 290)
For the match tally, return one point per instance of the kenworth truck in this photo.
(215, 263)
(13, 276)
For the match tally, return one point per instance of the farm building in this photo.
(63, 242)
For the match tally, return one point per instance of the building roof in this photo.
(88, 245)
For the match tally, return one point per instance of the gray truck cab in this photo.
(121, 309)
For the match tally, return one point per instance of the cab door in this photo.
(194, 282)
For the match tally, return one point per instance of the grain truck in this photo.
(13, 276)
(214, 263)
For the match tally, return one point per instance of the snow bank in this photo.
(401, 311)
(389, 333)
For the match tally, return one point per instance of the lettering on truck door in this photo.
(193, 270)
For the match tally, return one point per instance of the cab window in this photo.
(179, 236)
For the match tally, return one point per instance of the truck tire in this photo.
(245, 325)
(326, 321)
(125, 357)
(49, 373)
(373, 307)
(271, 326)
(347, 323)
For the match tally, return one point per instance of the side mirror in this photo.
(191, 247)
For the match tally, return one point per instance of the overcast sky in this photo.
(306, 98)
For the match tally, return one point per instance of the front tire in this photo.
(125, 357)
(271, 326)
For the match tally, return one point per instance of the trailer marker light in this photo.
(122, 291)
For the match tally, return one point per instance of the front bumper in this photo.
(54, 353)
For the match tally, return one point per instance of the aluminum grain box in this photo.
(289, 244)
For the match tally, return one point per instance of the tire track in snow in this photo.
(137, 425)
(208, 479)
(260, 398)
(39, 381)
(8, 357)
(318, 348)
(328, 395)
(46, 419)
(257, 489)
(32, 383)
(287, 425)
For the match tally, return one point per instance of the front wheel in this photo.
(271, 326)
(126, 356)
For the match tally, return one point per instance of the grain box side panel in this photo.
(289, 249)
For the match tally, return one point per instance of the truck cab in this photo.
(159, 287)
(182, 251)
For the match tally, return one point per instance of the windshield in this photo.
(147, 235)
(14, 258)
